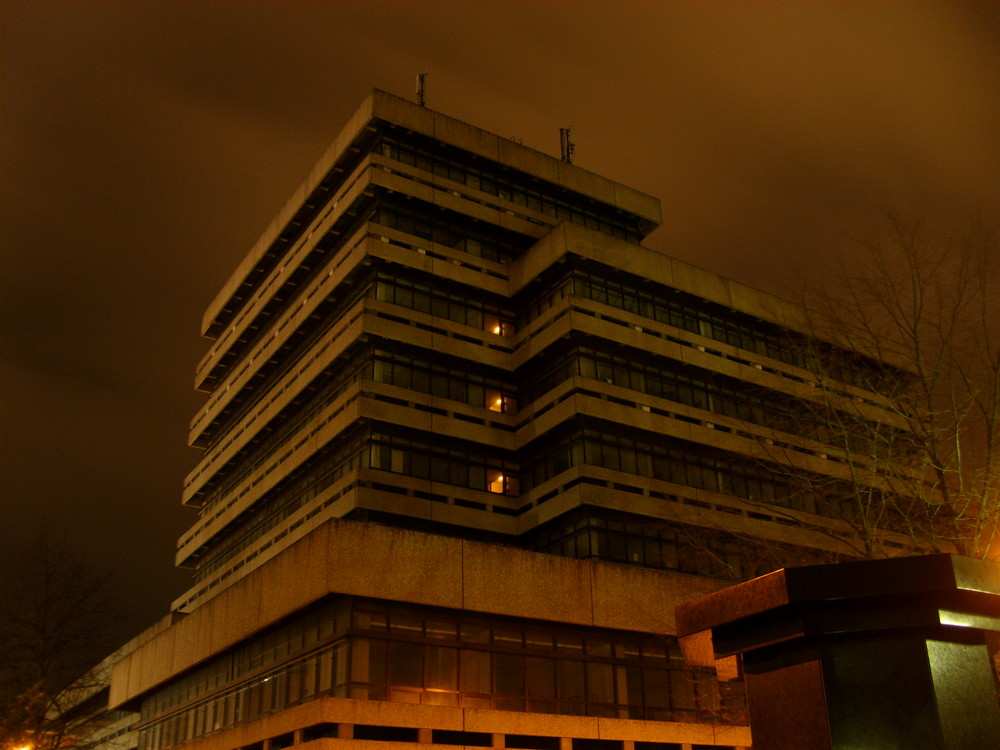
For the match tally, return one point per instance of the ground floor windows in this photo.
(393, 652)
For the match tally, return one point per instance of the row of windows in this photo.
(664, 459)
(431, 299)
(437, 379)
(451, 230)
(322, 673)
(303, 339)
(280, 299)
(660, 378)
(409, 672)
(508, 185)
(335, 615)
(322, 391)
(667, 546)
(298, 634)
(477, 467)
(323, 469)
(400, 653)
(713, 392)
(404, 672)
(382, 366)
(680, 311)
(691, 314)
(465, 466)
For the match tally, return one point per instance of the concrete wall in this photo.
(345, 713)
(346, 557)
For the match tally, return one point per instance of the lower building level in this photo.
(346, 724)
(362, 633)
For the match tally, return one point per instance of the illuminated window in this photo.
(497, 325)
(496, 400)
(497, 482)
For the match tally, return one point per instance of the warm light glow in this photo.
(497, 484)
(495, 400)
(496, 325)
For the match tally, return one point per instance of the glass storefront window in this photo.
(498, 665)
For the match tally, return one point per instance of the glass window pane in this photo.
(367, 663)
(405, 664)
(400, 623)
(538, 639)
(682, 690)
(507, 636)
(600, 683)
(569, 680)
(441, 629)
(475, 672)
(441, 668)
(655, 688)
(541, 678)
(508, 674)
(570, 643)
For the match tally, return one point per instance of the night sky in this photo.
(144, 146)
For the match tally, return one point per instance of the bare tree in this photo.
(898, 414)
(53, 619)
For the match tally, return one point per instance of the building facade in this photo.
(467, 442)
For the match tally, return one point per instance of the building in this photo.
(466, 444)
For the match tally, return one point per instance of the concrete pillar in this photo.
(873, 654)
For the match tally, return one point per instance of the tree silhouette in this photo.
(899, 404)
(54, 611)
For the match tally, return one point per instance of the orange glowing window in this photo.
(496, 401)
(497, 325)
(497, 482)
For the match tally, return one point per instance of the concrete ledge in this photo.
(361, 559)
(345, 711)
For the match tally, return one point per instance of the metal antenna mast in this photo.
(567, 147)
(421, 96)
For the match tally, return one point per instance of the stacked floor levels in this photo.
(447, 347)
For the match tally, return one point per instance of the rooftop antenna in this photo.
(421, 96)
(567, 147)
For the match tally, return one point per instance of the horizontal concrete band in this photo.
(382, 106)
(345, 557)
(346, 712)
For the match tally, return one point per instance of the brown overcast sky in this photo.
(145, 145)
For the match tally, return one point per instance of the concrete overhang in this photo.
(383, 107)
(359, 559)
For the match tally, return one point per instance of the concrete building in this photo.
(466, 444)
